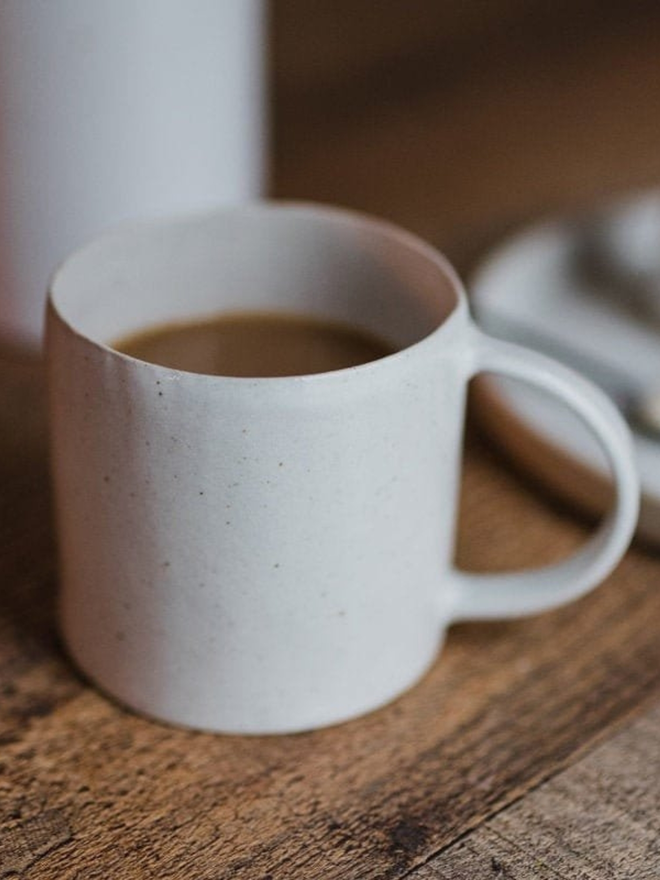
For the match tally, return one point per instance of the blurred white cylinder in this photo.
(112, 109)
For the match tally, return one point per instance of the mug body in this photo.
(256, 555)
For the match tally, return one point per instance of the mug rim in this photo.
(410, 240)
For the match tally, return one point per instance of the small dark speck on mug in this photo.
(201, 493)
(106, 479)
(166, 565)
(120, 636)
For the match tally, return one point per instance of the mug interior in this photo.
(265, 257)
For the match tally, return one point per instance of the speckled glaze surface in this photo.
(272, 555)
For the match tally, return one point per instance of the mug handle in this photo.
(515, 594)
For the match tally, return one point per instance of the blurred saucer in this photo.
(529, 291)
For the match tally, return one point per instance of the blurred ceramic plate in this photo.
(529, 291)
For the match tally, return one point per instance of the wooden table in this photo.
(532, 749)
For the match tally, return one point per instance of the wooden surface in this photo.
(531, 749)
(463, 120)
(599, 818)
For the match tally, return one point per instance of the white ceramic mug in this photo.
(271, 555)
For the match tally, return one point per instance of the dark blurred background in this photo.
(464, 120)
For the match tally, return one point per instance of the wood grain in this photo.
(598, 819)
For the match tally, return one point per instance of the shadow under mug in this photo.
(274, 555)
